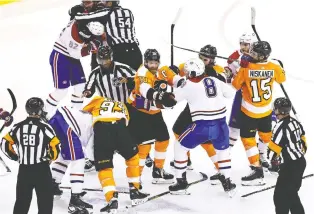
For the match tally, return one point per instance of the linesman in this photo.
(289, 145)
(36, 145)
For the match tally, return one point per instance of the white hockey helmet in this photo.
(96, 28)
(194, 67)
(248, 38)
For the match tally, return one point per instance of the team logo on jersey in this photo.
(261, 73)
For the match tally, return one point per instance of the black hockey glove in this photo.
(165, 98)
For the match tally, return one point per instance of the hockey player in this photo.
(256, 82)
(206, 99)
(74, 129)
(72, 44)
(147, 124)
(6, 117)
(242, 55)
(208, 53)
(110, 120)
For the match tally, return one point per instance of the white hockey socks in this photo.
(76, 97)
(224, 162)
(58, 169)
(233, 135)
(180, 159)
(77, 175)
(53, 100)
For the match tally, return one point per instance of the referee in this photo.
(120, 32)
(289, 143)
(36, 145)
(112, 79)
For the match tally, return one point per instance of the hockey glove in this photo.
(245, 60)
(165, 98)
(175, 69)
(4, 115)
(274, 165)
(228, 74)
(94, 44)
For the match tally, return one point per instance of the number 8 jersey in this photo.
(256, 82)
(205, 97)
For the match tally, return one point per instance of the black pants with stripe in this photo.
(286, 196)
(38, 177)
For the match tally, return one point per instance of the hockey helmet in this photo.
(260, 50)
(194, 68)
(282, 105)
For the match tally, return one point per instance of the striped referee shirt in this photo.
(102, 79)
(34, 141)
(288, 140)
(118, 22)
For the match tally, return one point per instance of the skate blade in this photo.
(162, 181)
(136, 202)
(190, 168)
(113, 211)
(256, 182)
(180, 192)
(231, 193)
(214, 182)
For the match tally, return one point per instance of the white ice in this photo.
(29, 28)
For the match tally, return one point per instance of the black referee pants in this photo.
(129, 54)
(286, 196)
(38, 177)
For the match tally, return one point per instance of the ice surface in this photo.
(29, 28)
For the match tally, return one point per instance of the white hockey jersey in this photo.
(69, 42)
(205, 98)
(80, 123)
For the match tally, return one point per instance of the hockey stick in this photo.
(253, 15)
(186, 49)
(204, 178)
(14, 106)
(271, 187)
(172, 30)
(123, 190)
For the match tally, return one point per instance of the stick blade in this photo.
(177, 16)
(253, 15)
(14, 104)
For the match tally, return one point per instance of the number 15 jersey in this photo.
(256, 82)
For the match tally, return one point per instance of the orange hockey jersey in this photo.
(256, 82)
(144, 80)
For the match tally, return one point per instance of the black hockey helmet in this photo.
(151, 54)
(114, 3)
(260, 50)
(282, 105)
(35, 107)
(104, 53)
(208, 51)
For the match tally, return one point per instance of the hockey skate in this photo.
(57, 192)
(112, 206)
(189, 166)
(179, 188)
(89, 165)
(228, 186)
(160, 176)
(255, 178)
(149, 161)
(214, 179)
(137, 197)
(77, 206)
